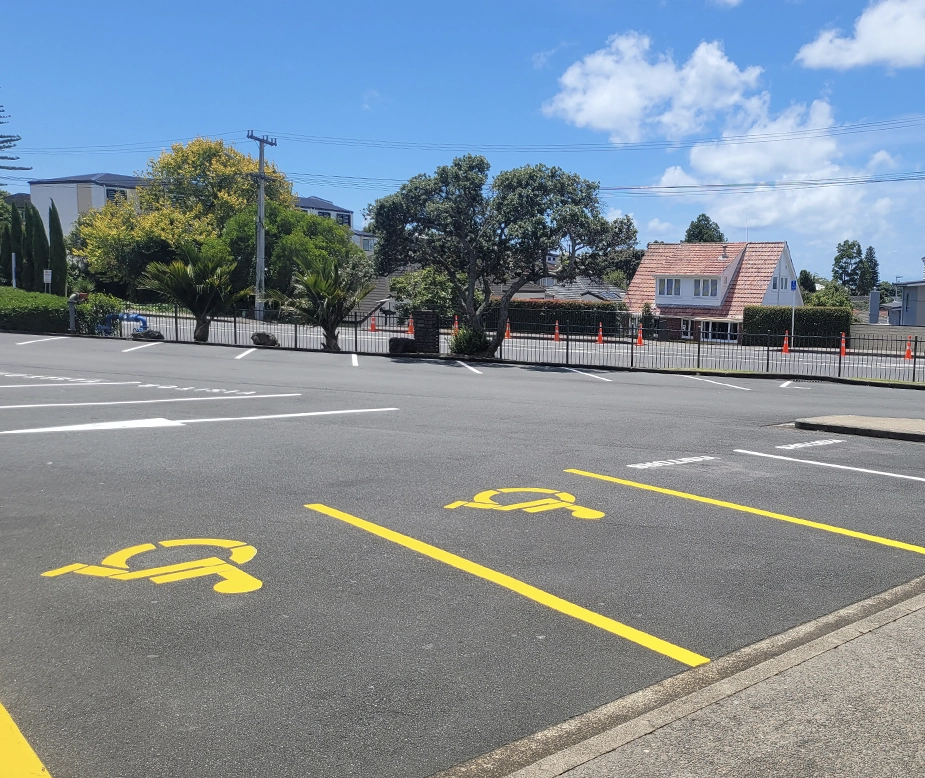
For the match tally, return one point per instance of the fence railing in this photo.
(586, 345)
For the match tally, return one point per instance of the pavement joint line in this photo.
(554, 751)
(757, 512)
(148, 402)
(143, 345)
(829, 464)
(540, 596)
(590, 375)
(20, 761)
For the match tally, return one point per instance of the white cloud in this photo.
(659, 228)
(889, 32)
(727, 3)
(882, 159)
(621, 90)
(541, 58)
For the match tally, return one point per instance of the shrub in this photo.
(811, 324)
(94, 310)
(542, 315)
(468, 341)
(32, 311)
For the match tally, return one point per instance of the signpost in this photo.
(793, 307)
(47, 278)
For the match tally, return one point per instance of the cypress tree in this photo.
(26, 273)
(39, 252)
(16, 242)
(6, 256)
(57, 253)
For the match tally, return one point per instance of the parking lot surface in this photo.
(233, 561)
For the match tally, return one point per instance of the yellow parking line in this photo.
(531, 592)
(757, 511)
(18, 759)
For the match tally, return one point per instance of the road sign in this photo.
(793, 286)
(47, 274)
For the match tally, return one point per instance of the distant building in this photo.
(912, 308)
(74, 195)
(319, 207)
(587, 290)
(20, 200)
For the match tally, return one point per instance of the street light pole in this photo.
(261, 229)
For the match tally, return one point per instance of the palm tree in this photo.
(326, 288)
(199, 283)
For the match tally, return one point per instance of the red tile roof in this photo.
(748, 286)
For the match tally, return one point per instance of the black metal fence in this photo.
(618, 343)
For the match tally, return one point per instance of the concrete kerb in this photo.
(845, 427)
(876, 382)
(554, 751)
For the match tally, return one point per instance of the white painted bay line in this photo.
(289, 415)
(829, 464)
(40, 340)
(245, 353)
(785, 384)
(143, 345)
(590, 375)
(47, 386)
(354, 360)
(718, 383)
(147, 402)
(468, 367)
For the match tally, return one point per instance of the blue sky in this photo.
(89, 77)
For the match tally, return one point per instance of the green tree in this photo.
(6, 256)
(201, 284)
(39, 251)
(26, 271)
(833, 295)
(57, 252)
(845, 266)
(807, 283)
(5, 207)
(332, 275)
(423, 290)
(478, 234)
(868, 272)
(16, 242)
(616, 278)
(704, 230)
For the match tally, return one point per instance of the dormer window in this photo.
(669, 286)
(706, 287)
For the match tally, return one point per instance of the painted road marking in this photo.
(718, 383)
(234, 580)
(148, 402)
(810, 443)
(50, 377)
(590, 375)
(785, 384)
(245, 353)
(45, 386)
(143, 345)
(144, 423)
(829, 464)
(757, 511)
(40, 340)
(19, 760)
(468, 367)
(354, 360)
(485, 501)
(526, 590)
(667, 462)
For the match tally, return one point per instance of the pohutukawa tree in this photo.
(524, 225)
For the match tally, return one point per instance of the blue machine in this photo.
(106, 327)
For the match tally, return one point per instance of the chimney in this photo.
(726, 256)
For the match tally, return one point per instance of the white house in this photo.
(74, 195)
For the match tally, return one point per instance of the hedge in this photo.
(542, 315)
(811, 324)
(39, 312)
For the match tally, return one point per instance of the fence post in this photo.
(356, 333)
(839, 362)
(176, 323)
(698, 349)
(568, 328)
(767, 366)
(234, 324)
(915, 355)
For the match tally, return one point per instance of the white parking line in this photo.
(590, 375)
(718, 383)
(40, 340)
(785, 384)
(148, 402)
(143, 345)
(48, 386)
(245, 353)
(829, 464)
(354, 360)
(668, 462)
(468, 367)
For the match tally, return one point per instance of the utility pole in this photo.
(261, 229)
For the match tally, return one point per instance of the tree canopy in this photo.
(526, 224)
(704, 230)
(848, 255)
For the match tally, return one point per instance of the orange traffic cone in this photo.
(456, 324)
(507, 330)
(909, 348)
(600, 332)
(843, 351)
(639, 337)
(372, 322)
(556, 336)
(786, 349)
(411, 326)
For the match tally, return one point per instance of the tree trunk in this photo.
(201, 333)
(330, 339)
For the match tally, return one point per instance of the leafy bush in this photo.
(32, 311)
(94, 310)
(542, 315)
(811, 324)
(831, 296)
(468, 341)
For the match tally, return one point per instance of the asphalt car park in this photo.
(266, 562)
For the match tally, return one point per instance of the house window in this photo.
(367, 244)
(326, 214)
(661, 286)
(343, 218)
(677, 286)
(686, 329)
(116, 194)
(774, 282)
(696, 287)
(719, 330)
(669, 286)
(784, 283)
(713, 287)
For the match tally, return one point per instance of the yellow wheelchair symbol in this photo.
(234, 580)
(485, 501)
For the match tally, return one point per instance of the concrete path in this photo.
(871, 426)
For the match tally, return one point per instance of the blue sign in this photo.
(793, 286)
